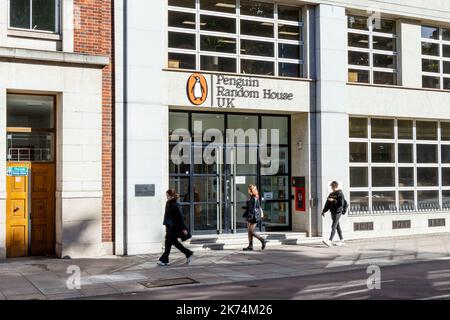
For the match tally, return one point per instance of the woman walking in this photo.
(253, 216)
(175, 228)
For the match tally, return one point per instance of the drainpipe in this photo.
(125, 127)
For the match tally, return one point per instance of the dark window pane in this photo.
(19, 14)
(446, 83)
(382, 128)
(446, 34)
(385, 78)
(181, 186)
(180, 40)
(383, 152)
(429, 65)
(358, 128)
(426, 130)
(257, 9)
(445, 150)
(446, 199)
(257, 48)
(292, 70)
(44, 15)
(446, 51)
(30, 111)
(405, 153)
(386, 44)
(430, 33)
(275, 188)
(427, 153)
(289, 51)
(358, 152)
(289, 13)
(182, 3)
(256, 28)
(446, 67)
(178, 120)
(218, 24)
(215, 63)
(428, 200)
(431, 82)
(386, 26)
(359, 201)
(228, 6)
(358, 58)
(289, 32)
(445, 131)
(358, 40)
(358, 76)
(257, 67)
(446, 177)
(384, 61)
(217, 44)
(427, 177)
(181, 61)
(384, 201)
(383, 177)
(359, 23)
(276, 123)
(405, 129)
(406, 199)
(406, 177)
(359, 177)
(430, 49)
(181, 20)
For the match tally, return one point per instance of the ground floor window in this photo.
(399, 165)
(213, 157)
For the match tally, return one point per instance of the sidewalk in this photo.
(43, 278)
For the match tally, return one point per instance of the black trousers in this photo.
(172, 240)
(336, 226)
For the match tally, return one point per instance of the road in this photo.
(427, 280)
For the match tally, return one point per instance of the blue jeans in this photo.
(336, 226)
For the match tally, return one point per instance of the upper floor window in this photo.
(372, 55)
(435, 58)
(36, 15)
(236, 36)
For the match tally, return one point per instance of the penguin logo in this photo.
(197, 89)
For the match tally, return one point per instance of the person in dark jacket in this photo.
(175, 228)
(253, 216)
(335, 204)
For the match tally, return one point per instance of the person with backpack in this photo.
(338, 207)
(253, 216)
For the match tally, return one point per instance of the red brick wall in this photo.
(94, 35)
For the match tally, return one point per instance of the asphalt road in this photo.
(427, 280)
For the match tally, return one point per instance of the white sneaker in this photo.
(327, 243)
(340, 243)
(162, 264)
(189, 260)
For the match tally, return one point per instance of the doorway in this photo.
(31, 175)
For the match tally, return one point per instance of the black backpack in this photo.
(345, 207)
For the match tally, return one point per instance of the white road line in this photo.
(355, 285)
(435, 297)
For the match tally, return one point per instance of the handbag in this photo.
(185, 237)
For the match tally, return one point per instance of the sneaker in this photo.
(248, 249)
(263, 244)
(189, 259)
(162, 264)
(327, 243)
(340, 243)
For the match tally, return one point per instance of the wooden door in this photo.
(17, 219)
(42, 209)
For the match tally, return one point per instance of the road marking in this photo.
(435, 297)
(355, 285)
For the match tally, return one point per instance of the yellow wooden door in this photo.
(17, 220)
(42, 209)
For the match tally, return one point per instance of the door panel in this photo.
(17, 215)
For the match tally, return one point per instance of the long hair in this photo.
(173, 194)
(253, 190)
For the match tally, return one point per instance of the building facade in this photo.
(56, 118)
(356, 91)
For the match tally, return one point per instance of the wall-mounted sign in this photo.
(300, 199)
(240, 180)
(17, 171)
(197, 89)
(144, 190)
(268, 195)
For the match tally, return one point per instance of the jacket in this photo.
(252, 212)
(173, 218)
(337, 206)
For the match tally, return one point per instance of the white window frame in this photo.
(238, 37)
(371, 51)
(441, 42)
(415, 165)
(58, 19)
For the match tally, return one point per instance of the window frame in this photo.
(370, 33)
(58, 19)
(237, 36)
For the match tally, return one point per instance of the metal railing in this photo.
(29, 154)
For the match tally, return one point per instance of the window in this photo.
(247, 37)
(36, 15)
(435, 58)
(372, 55)
(399, 165)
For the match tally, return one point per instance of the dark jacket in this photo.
(335, 207)
(252, 213)
(173, 218)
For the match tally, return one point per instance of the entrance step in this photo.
(240, 240)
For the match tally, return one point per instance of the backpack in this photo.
(344, 207)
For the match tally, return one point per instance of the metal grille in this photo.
(432, 223)
(404, 224)
(363, 226)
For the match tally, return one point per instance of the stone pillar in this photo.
(410, 64)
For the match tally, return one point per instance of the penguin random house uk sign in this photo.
(223, 91)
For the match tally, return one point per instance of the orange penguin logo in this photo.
(197, 89)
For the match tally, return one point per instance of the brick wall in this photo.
(94, 35)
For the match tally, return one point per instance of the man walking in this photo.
(336, 204)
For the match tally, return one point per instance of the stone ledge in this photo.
(53, 56)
